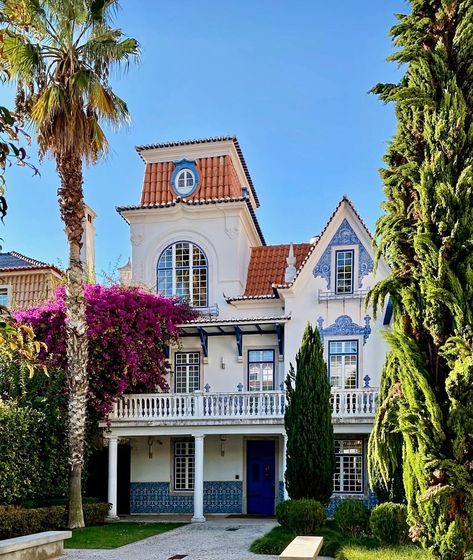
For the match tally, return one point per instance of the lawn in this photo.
(339, 545)
(114, 535)
(278, 538)
(408, 552)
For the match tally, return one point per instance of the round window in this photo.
(184, 182)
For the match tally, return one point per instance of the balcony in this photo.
(236, 406)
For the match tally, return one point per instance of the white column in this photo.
(112, 476)
(199, 480)
(284, 452)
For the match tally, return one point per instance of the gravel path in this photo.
(199, 541)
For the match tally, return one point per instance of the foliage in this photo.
(303, 517)
(94, 514)
(45, 396)
(282, 512)
(61, 53)
(308, 423)
(386, 478)
(425, 236)
(16, 521)
(127, 331)
(114, 535)
(352, 516)
(388, 523)
(357, 552)
(10, 150)
(276, 540)
(20, 449)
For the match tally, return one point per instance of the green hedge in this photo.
(304, 517)
(17, 521)
(353, 517)
(389, 525)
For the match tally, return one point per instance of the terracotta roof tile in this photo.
(218, 179)
(233, 139)
(268, 266)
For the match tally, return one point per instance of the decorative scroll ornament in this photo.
(344, 326)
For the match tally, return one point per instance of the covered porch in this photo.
(200, 471)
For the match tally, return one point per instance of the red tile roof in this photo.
(268, 266)
(218, 179)
(16, 261)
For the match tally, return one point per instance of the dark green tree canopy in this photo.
(308, 422)
(426, 237)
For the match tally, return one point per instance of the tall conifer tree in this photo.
(426, 237)
(308, 422)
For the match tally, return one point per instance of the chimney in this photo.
(291, 266)
(125, 274)
(88, 246)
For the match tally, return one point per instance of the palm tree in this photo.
(61, 53)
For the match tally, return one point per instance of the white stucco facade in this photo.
(217, 438)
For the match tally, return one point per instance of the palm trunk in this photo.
(71, 201)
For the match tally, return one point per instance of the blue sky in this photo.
(289, 78)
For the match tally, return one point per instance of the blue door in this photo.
(260, 476)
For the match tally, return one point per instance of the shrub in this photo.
(304, 517)
(94, 514)
(17, 521)
(273, 542)
(282, 511)
(352, 516)
(388, 523)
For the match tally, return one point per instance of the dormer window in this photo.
(344, 271)
(185, 182)
(183, 272)
(185, 178)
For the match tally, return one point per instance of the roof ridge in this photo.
(29, 260)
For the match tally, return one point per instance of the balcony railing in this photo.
(331, 295)
(228, 406)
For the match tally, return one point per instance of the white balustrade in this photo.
(354, 402)
(236, 405)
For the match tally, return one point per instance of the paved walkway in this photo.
(213, 540)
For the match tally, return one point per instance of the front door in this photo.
(260, 476)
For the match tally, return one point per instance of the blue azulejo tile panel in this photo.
(223, 497)
(281, 491)
(155, 497)
(371, 501)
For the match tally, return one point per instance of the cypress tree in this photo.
(308, 422)
(426, 237)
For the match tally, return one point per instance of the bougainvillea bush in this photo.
(128, 329)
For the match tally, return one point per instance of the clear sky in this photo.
(289, 78)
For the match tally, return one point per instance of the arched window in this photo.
(183, 272)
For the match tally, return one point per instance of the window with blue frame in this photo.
(344, 271)
(260, 370)
(343, 364)
(348, 475)
(4, 296)
(186, 372)
(184, 466)
(183, 272)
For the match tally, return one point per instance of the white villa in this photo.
(216, 442)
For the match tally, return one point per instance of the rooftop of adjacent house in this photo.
(218, 174)
(13, 261)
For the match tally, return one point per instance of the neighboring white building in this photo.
(216, 442)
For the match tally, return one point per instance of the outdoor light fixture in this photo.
(222, 362)
(150, 447)
(222, 445)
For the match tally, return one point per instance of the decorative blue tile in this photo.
(344, 326)
(371, 501)
(344, 236)
(281, 490)
(155, 497)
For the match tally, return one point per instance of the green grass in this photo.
(339, 545)
(407, 552)
(278, 538)
(114, 535)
